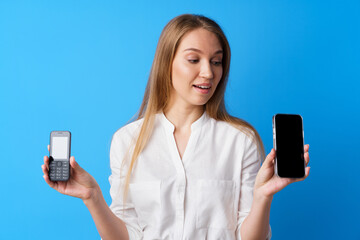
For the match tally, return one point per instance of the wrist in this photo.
(94, 197)
(259, 197)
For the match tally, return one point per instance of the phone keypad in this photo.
(59, 170)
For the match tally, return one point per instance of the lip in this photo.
(203, 84)
(202, 91)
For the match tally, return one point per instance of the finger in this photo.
(48, 147)
(307, 158)
(307, 172)
(44, 169)
(269, 160)
(306, 147)
(46, 162)
(50, 183)
(74, 165)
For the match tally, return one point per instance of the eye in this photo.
(193, 60)
(217, 63)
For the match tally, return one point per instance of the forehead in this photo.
(201, 39)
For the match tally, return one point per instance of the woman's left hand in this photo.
(267, 183)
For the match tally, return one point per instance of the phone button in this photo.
(59, 164)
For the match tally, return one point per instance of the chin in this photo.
(200, 103)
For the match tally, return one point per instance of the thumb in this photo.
(268, 162)
(75, 165)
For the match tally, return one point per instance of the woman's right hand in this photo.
(80, 184)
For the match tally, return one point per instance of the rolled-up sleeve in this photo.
(250, 166)
(119, 152)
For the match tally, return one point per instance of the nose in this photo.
(206, 71)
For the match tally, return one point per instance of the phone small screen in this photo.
(60, 147)
(289, 146)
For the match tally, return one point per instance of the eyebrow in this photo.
(198, 50)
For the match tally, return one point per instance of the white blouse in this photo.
(205, 195)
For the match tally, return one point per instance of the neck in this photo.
(182, 118)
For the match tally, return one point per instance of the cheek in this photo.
(218, 75)
(180, 73)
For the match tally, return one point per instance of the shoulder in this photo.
(234, 131)
(127, 132)
(122, 142)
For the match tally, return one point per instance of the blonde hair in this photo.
(157, 92)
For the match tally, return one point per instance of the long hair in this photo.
(159, 85)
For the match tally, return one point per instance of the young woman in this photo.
(185, 169)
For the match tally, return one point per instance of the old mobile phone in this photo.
(59, 166)
(288, 137)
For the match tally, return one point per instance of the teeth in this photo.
(203, 87)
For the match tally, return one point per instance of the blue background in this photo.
(83, 65)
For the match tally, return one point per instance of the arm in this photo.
(82, 185)
(255, 225)
(119, 221)
(254, 211)
(107, 223)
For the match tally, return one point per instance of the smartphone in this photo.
(288, 135)
(59, 165)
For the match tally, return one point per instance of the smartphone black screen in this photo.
(289, 145)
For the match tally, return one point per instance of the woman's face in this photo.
(197, 68)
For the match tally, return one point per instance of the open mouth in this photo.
(204, 89)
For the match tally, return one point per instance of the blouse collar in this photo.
(194, 126)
